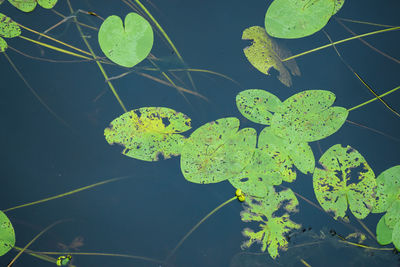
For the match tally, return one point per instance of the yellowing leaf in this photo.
(149, 133)
(265, 54)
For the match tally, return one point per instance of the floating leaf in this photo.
(273, 230)
(30, 5)
(297, 18)
(24, 5)
(388, 189)
(396, 236)
(8, 28)
(308, 117)
(258, 105)
(392, 216)
(338, 6)
(345, 179)
(264, 54)
(383, 232)
(129, 45)
(300, 154)
(48, 4)
(267, 167)
(217, 151)
(3, 45)
(7, 234)
(149, 133)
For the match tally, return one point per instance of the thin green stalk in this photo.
(61, 120)
(54, 48)
(166, 37)
(341, 41)
(66, 193)
(52, 39)
(101, 254)
(373, 99)
(97, 62)
(196, 226)
(33, 240)
(41, 256)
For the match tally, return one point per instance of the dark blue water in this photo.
(147, 214)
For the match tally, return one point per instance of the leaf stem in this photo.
(373, 99)
(341, 41)
(196, 226)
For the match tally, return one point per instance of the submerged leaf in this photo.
(129, 45)
(297, 18)
(344, 179)
(149, 133)
(217, 151)
(273, 229)
(264, 54)
(7, 234)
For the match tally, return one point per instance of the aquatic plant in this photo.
(219, 151)
(254, 164)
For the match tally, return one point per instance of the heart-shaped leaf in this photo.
(129, 45)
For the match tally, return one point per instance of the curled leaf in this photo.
(264, 54)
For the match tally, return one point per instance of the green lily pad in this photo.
(3, 45)
(392, 216)
(129, 45)
(308, 117)
(383, 232)
(258, 105)
(217, 151)
(264, 54)
(24, 5)
(267, 167)
(338, 6)
(30, 5)
(396, 236)
(8, 28)
(48, 4)
(299, 154)
(7, 234)
(273, 229)
(388, 189)
(345, 179)
(297, 18)
(149, 133)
